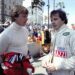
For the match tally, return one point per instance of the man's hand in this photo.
(49, 66)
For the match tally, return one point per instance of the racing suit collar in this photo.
(61, 29)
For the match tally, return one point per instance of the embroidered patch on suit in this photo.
(60, 48)
(66, 33)
(60, 53)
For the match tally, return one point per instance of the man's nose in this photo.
(52, 22)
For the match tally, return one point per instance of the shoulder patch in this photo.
(66, 33)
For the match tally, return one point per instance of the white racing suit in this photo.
(64, 51)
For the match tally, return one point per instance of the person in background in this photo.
(47, 35)
(61, 61)
(42, 35)
(13, 42)
(47, 41)
(35, 34)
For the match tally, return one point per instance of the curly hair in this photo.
(16, 10)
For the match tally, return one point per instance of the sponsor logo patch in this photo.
(62, 54)
(60, 48)
(66, 33)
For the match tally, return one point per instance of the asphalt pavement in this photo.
(39, 70)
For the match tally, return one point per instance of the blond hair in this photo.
(16, 10)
